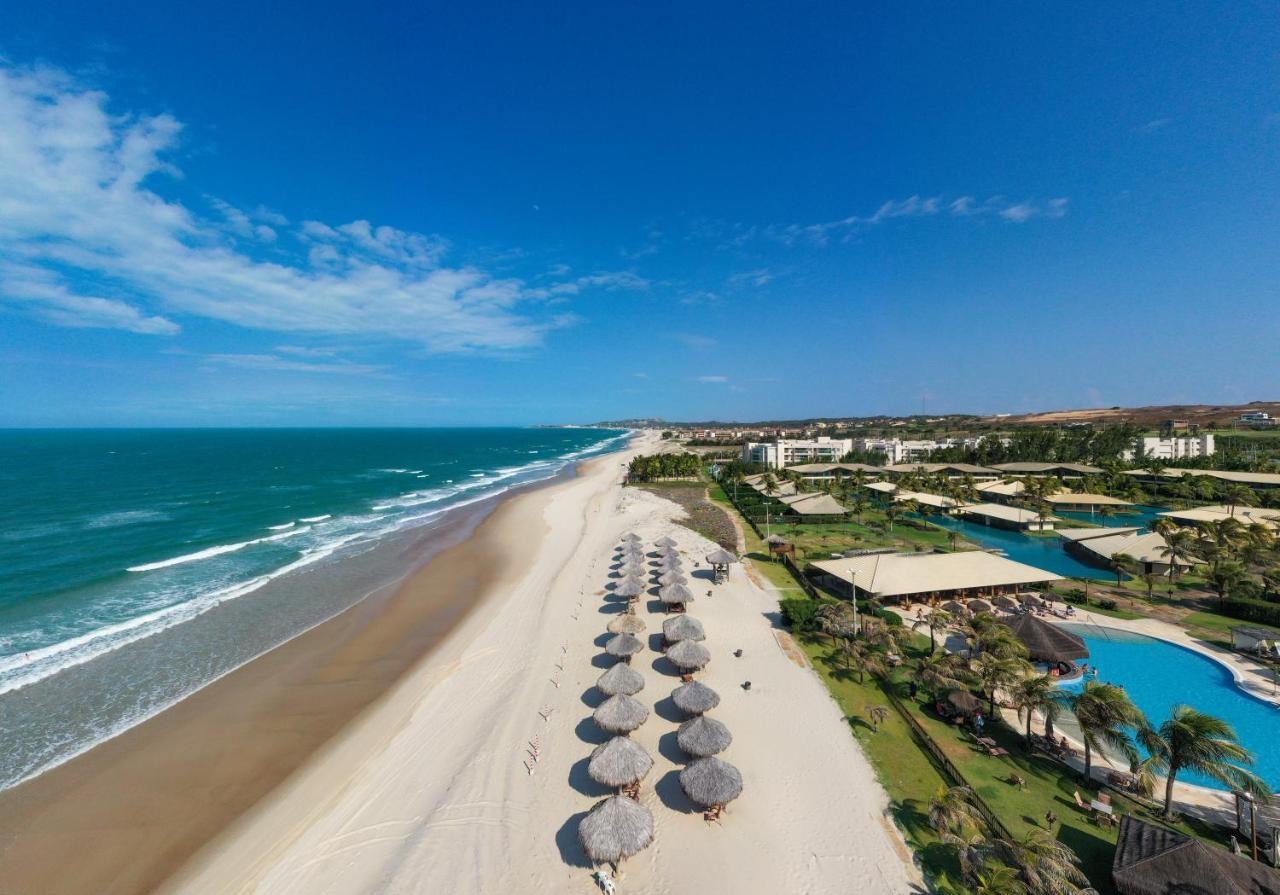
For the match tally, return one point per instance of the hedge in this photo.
(1252, 610)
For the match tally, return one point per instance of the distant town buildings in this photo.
(897, 450)
(1257, 419)
(1176, 447)
(790, 451)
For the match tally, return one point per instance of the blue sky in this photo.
(409, 214)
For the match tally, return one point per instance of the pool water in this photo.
(1158, 675)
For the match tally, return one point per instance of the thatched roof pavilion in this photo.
(665, 541)
(703, 736)
(675, 593)
(620, 714)
(615, 829)
(964, 701)
(689, 655)
(710, 782)
(694, 698)
(626, 623)
(630, 588)
(1047, 642)
(619, 762)
(1153, 860)
(621, 678)
(721, 557)
(683, 627)
(623, 646)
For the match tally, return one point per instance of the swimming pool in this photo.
(1158, 675)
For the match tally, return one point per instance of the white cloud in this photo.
(80, 203)
(758, 278)
(289, 365)
(713, 379)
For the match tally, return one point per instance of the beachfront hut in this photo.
(623, 646)
(620, 714)
(694, 698)
(688, 655)
(719, 560)
(703, 736)
(711, 783)
(682, 627)
(626, 623)
(976, 606)
(1047, 642)
(665, 542)
(618, 763)
(614, 830)
(621, 678)
(1154, 860)
(963, 701)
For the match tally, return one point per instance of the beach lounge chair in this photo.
(1081, 803)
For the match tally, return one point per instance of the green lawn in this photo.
(1217, 628)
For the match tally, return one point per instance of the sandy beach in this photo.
(389, 750)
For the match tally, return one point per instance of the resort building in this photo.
(1101, 546)
(881, 487)
(897, 450)
(814, 505)
(950, 470)
(937, 501)
(1000, 516)
(919, 577)
(1153, 860)
(1000, 491)
(790, 451)
(1084, 503)
(826, 472)
(1061, 470)
(1244, 515)
(1252, 479)
(1177, 447)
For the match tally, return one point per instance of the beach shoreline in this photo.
(137, 807)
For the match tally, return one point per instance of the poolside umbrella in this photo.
(721, 557)
(710, 782)
(694, 698)
(621, 678)
(672, 577)
(1029, 600)
(775, 539)
(665, 542)
(954, 607)
(626, 623)
(689, 655)
(620, 714)
(979, 606)
(1005, 602)
(615, 829)
(619, 762)
(683, 627)
(963, 700)
(623, 646)
(1046, 642)
(629, 588)
(675, 593)
(703, 736)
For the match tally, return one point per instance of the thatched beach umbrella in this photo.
(675, 593)
(623, 646)
(629, 588)
(665, 542)
(1046, 642)
(694, 698)
(672, 578)
(976, 606)
(964, 701)
(710, 782)
(632, 537)
(955, 608)
(682, 627)
(666, 567)
(689, 655)
(703, 736)
(721, 557)
(1030, 600)
(1005, 602)
(620, 714)
(621, 678)
(619, 762)
(626, 623)
(614, 830)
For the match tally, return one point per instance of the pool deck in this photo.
(1250, 675)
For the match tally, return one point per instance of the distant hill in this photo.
(1147, 417)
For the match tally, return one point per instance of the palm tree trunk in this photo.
(1088, 761)
(1168, 791)
(1028, 742)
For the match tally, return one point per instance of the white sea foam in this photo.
(286, 525)
(212, 551)
(126, 517)
(317, 518)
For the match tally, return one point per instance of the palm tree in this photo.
(1191, 740)
(1106, 715)
(861, 657)
(952, 809)
(1270, 581)
(997, 673)
(952, 537)
(859, 505)
(1037, 694)
(935, 619)
(1238, 496)
(1226, 576)
(997, 880)
(877, 714)
(1177, 547)
(940, 673)
(1045, 864)
(1124, 564)
(891, 511)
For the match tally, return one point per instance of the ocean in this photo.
(136, 566)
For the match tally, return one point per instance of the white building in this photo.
(1177, 447)
(898, 450)
(790, 451)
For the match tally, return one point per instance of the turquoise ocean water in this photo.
(138, 565)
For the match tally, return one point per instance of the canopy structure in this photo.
(963, 700)
(629, 588)
(615, 829)
(632, 537)
(1005, 602)
(973, 573)
(721, 557)
(619, 762)
(976, 606)
(1154, 860)
(689, 655)
(672, 577)
(675, 593)
(1047, 642)
(955, 608)
(710, 782)
(694, 698)
(669, 553)
(621, 678)
(623, 646)
(665, 542)
(620, 714)
(703, 736)
(626, 623)
(683, 627)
